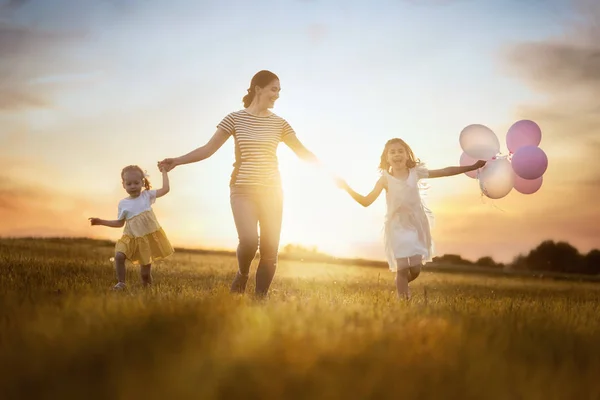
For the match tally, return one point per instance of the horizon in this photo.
(308, 250)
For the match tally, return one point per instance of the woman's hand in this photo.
(342, 184)
(167, 164)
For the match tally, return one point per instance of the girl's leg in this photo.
(245, 215)
(413, 273)
(402, 273)
(120, 269)
(414, 263)
(270, 215)
(146, 274)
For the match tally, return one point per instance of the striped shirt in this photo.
(256, 141)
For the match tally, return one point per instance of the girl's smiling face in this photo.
(397, 156)
(133, 182)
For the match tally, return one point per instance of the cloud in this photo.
(567, 70)
(12, 4)
(27, 54)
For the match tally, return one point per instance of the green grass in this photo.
(326, 332)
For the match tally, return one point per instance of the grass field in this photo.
(326, 332)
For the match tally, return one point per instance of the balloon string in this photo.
(482, 195)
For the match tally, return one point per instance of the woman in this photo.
(255, 186)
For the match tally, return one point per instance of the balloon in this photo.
(523, 133)
(465, 161)
(528, 186)
(496, 178)
(479, 142)
(529, 162)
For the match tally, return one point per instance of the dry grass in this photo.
(326, 332)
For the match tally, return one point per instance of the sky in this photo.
(88, 87)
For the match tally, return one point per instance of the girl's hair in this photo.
(145, 180)
(260, 79)
(410, 163)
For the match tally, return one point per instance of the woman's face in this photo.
(269, 94)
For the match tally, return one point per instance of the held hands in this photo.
(339, 182)
(167, 164)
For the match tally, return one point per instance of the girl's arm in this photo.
(367, 200)
(112, 224)
(299, 149)
(450, 171)
(165, 186)
(201, 153)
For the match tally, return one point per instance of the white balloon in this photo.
(496, 178)
(479, 142)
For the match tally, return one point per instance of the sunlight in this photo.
(317, 213)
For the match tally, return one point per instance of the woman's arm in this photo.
(201, 153)
(299, 149)
(450, 171)
(367, 200)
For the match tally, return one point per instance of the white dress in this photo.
(407, 229)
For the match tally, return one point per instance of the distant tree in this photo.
(303, 253)
(519, 263)
(486, 262)
(299, 249)
(592, 262)
(552, 256)
(452, 259)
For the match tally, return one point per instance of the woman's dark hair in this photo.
(260, 79)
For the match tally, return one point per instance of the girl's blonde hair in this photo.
(410, 163)
(136, 168)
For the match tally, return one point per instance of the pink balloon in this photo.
(528, 186)
(523, 133)
(465, 161)
(529, 162)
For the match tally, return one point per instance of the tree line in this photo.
(548, 256)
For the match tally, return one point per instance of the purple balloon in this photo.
(523, 133)
(528, 186)
(529, 162)
(465, 161)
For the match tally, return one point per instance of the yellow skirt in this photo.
(143, 240)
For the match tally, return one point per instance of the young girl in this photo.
(143, 239)
(407, 233)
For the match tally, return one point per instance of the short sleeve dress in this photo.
(143, 239)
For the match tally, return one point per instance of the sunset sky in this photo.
(89, 86)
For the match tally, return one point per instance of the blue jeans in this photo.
(253, 207)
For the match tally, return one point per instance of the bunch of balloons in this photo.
(522, 169)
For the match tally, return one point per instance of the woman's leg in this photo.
(245, 215)
(270, 216)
